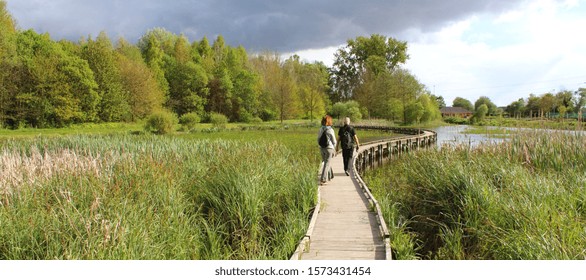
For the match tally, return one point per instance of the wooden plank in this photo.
(345, 227)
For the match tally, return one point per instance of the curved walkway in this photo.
(347, 223)
(346, 227)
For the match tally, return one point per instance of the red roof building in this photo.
(455, 112)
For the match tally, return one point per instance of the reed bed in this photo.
(151, 197)
(523, 199)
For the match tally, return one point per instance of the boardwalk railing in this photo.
(375, 155)
(384, 150)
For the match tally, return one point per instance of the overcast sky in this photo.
(469, 48)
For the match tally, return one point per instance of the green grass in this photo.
(242, 193)
(89, 128)
(491, 132)
(148, 197)
(522, 199)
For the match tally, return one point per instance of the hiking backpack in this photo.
(323, 139)
(347, 141)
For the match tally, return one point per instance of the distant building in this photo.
(455, 112)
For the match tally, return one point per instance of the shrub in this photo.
(244, 116)
(456, 120)
(218, 120)
(349, 109)
(480, 114)
(256, 120)
(189, 120)
(268, 115)
(161, 122)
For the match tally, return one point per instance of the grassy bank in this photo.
(522, 199)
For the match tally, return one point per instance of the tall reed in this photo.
(521, 199)
(151, 197)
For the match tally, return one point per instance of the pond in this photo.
(455, 135)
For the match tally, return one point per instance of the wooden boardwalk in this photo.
(346, 228)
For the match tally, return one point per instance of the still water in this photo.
(454, 135)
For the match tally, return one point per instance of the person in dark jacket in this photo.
(349, 141)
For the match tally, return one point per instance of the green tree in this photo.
(562, 112)
(414, 112)
(463, 103)
(388, 94)
(312, 101)
(532, 106)
(247, 90)
(247, 86)
(546, 104)
(140, 87)
(165, 41)
(349, 109)
(234, 89)
(375, 54)
(516, 108)
(153, 55)
(7, 33)
(407, 89)
(285, 93)
(55, 88)
(480, 113)
(441, 103)
(580, 101)
(103, 61)
(565, 98)
(312, 81)
(220, 92)
(395, 109)
(187, 88)
(206, 54)
(492, 109)
(187, 80)
(431, 111)
(374, 92)
(8, 65)
(279, 95)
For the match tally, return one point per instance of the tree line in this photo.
(563, 103)
(48, 83)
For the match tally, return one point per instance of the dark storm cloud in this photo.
(256, 24)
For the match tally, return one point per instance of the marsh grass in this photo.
(237, 193)
(490, 132)
(151, 197)
(521, 199)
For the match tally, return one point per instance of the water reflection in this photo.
(454, 135)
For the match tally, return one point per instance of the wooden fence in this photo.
(382, 151)
(377, 153)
